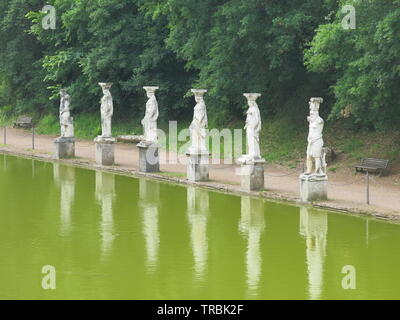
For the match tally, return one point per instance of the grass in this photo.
(85, 126)
(283, 142)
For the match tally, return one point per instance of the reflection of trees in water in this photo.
(149, 195)
(64, 177)
(251, 226)
(314, 228)
(198, 210)
(105, 194)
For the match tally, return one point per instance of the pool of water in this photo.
(117, 237)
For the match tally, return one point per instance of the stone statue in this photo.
(150, 120)
(198, 128)
(315, 150)
(253, 127)
(107, 110)
(66, 121)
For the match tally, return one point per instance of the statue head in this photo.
(314, 105)
(151, 91)
(63, 93)
(198, 94)
(252, 98)
(106, 86)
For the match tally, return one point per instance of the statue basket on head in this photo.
(107, 110)
(66, 121)
(149, 121)
(199, 125)
(316, 154)
(253, 128)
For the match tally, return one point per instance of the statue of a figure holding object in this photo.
(107, 110)
(315, 149)
(150, 119)
(253, 128)
(66, 121)
(199, 125)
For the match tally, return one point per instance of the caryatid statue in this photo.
(107, 110)
(315, 149)
(150, 119)
(66, 121)
(253, 128)
(199, 125)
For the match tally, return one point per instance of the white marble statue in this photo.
(199, 125)
(315, 149)
(66, 121)
(150, 119)
(253, 128)
(107, 110)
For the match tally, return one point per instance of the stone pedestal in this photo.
(149, 159)
(197, 166)
(252, 175)
(105, 151)
(64, 148)
(313, 187)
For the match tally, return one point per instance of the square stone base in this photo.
(149, 159)
(64, 148)
(105, 151)
(252, 176)
(313, 188)
(197, 167)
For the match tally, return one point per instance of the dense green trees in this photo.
(112, 41)
(287, 50)
(363, 64)
(21, 73)
(239, 46)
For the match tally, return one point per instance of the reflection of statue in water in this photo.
(199, 125)
(150, 119)
(64, 177)
(107, 110)
(252, 225)
(198, 210)
(315, 151)
(66, 121)
(314, 228)
(105, 193)
(253, 128)
(149, 194)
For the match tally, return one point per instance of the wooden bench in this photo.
(23, 122)
(373, 165)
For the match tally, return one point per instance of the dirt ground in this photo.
(346, 189)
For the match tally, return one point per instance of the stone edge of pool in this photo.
(354, 209)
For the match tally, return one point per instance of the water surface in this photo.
(116, 237)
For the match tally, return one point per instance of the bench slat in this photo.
(373, 165)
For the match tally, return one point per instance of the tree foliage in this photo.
(363, 63)
(288, 50)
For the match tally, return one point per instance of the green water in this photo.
(116, 237)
